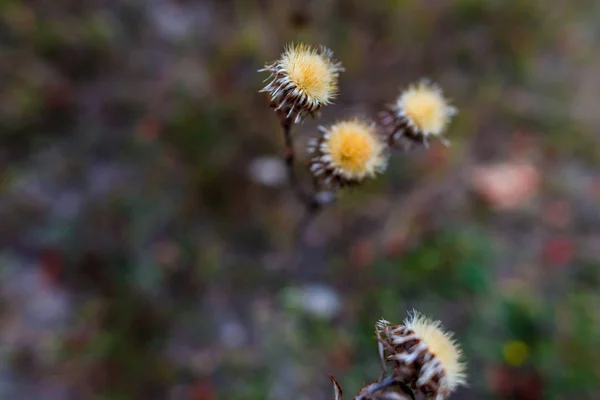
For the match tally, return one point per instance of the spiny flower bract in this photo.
(425, 354)
(421, 111)
(304, 79)
(348, 152)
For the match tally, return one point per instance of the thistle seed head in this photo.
(425, 356)
(421, 111)
(304, 79)
(347, 152)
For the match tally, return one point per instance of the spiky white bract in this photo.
(422, 111)
(304, 79)
(442, 345)
(348, 152)
(337, 389)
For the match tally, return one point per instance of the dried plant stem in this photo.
(290, 159)
(311, 205)
(313, 200)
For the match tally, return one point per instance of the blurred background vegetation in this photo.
(147, 244)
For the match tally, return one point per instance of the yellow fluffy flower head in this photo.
(304, 79)
(425, 354)
(421, 111)
(348, 152)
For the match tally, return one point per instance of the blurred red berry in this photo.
(559, 250)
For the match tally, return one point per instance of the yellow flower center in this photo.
(311, 73)
(351, 146)
(426, 108)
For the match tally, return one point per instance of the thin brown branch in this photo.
(309, 200)
(289, 155)
(313, 200)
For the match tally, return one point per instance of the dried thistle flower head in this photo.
(419, 112)
(347, 152)
(426, 357)
(304, 80)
